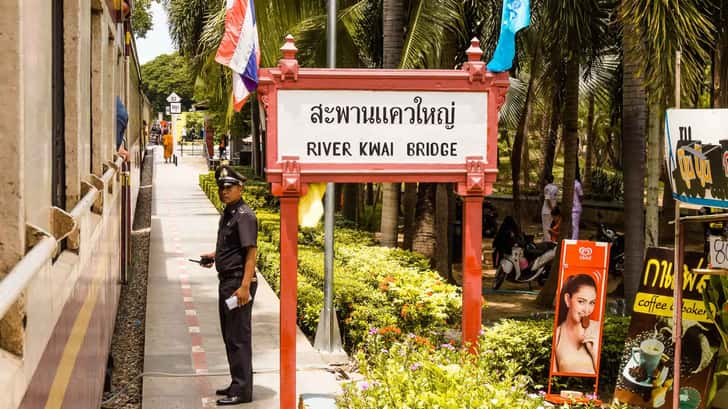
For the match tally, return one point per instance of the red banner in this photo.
(582, 294)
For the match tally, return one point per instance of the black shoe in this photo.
(223, 392)
(232, 400)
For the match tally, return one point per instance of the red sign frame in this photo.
(289, 177)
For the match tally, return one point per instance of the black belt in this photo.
(225, 276)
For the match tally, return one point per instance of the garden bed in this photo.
(397, 318)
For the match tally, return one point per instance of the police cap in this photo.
(227, 176)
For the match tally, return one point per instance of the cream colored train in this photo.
(66, 196)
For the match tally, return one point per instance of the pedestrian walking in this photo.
(576, 207)
(550, 192)
(168, 145)
(234, 258)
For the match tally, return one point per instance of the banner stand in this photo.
(579, 316)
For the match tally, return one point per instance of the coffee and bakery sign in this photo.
(646, 371)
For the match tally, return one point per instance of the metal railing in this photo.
(18, 279)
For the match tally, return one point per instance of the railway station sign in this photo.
(342, 125)
(173, 97)
(379, 125)
(382, 126)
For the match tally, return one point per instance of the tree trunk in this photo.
(254, 131)
(633, 155)
(424, 239)
(350, 210)
(442, 250)
(392, 40)
(409, 204)
(549, 144)
(525, 164)
(517, 152)
(590, 140)
(370, 194)
(720, 80)
(390, 214)
(654, 147)
(570, 142)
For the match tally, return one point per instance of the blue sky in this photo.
(157, 41)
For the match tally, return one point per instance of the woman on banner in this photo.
(576, 337)
(168, 145)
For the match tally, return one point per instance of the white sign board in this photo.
(696, 149)
(718, 252)
(382, 126)
(166, 110)
(175, 107)
(173, 97)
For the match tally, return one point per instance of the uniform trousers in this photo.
(236, 333)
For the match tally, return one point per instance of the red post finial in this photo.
(289, 49)
(474, 52)
(474, 66)
(288, 64)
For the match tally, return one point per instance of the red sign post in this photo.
(364, 125)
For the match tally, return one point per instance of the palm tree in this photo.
(393, 39)
(652, 32)
(579, 28)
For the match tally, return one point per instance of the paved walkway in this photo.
(182, 325)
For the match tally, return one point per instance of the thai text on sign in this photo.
(382, 126)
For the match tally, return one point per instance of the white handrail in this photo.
(84, 204)
(12, 286)
(19, 277)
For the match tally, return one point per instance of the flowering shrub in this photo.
(412, 373)
(508, 370)
(373, 286)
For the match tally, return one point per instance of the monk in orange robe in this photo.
(168, 145)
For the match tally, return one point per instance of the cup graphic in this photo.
(648, 354)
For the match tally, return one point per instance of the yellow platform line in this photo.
(68, 360)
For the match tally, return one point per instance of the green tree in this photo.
(166, 74)
(141, 18)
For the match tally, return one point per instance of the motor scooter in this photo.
(616, 251)
(518, 259)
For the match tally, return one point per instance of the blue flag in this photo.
(516, 16)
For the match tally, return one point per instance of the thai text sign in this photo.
(696, 149)
(356, 126)
(646, 375)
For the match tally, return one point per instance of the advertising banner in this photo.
(646, 371)
(696, 150)
(579, 313)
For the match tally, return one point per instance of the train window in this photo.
(58, 170)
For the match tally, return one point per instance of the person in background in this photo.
(221, 147)
(576, 208)
(234, 258)
(550, 192)
(168, 145)
(555, 224)
(122, 119)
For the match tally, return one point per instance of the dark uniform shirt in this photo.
(238, 230)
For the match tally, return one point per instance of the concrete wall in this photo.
(36, 73)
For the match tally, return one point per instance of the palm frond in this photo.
(431, 22)
(515, 101)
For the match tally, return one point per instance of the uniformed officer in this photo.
(234, 257)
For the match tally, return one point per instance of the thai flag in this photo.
(239, 49)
